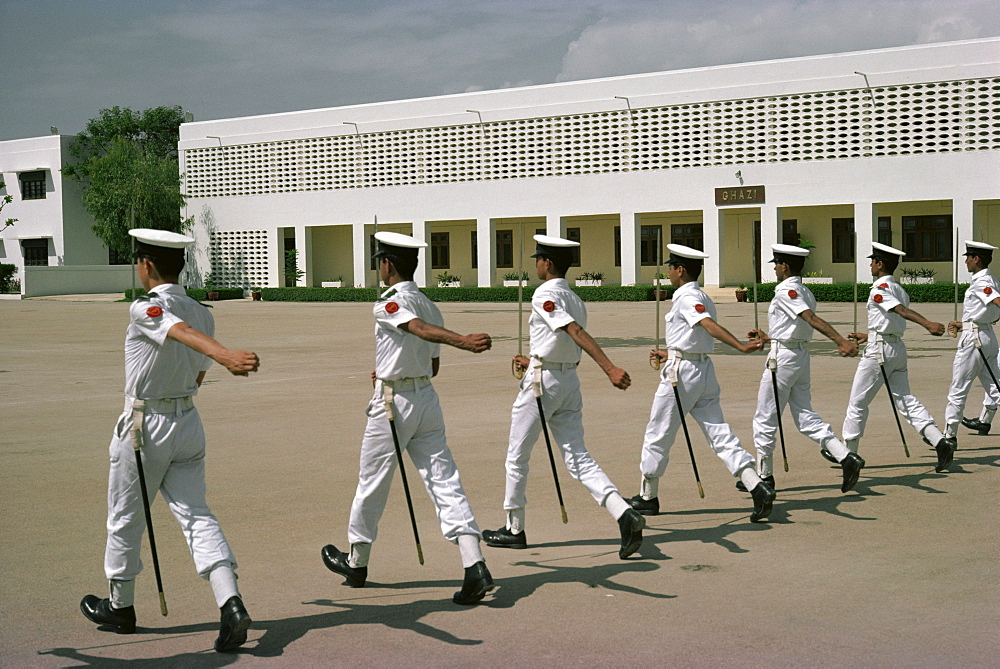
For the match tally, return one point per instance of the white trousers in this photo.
(173, 460)
(868, 382)
(967, 368)
(699, 392)
(563, 406)
(795, 395)
(420, 428)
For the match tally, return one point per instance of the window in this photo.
(649, 235)
(36, 252)
(32, 185)
(927, 238)
(115, 258)
(790, 232)
(505, 248)
(573, 235)
(439, 250)
(884, 230)
(475, 250)
(618, 246)
(372, 250)
(687, 235)
(843, 240)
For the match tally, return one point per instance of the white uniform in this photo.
(885, 342)
(554, 358)
(790, 335)
(404, 362)
(163, 373)
(978, 315)
(689, 347)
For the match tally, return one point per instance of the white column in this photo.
(713, 232)
(359, 242)
(963, 214)
(770, 233)
(303, 244)
(486, 259)
(630, 224)
(864, 224)
(555, 225)
(420, 230)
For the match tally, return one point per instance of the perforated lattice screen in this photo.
(907, 119)
(238, 258)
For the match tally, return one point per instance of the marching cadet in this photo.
(557, 322)
(978, 343)
(791, 319)
(888, 310)
(691, 329)
(409, 331)
(168, 350)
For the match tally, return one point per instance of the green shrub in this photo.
(7, 272)
(844, 292)
(461, 294)
(199, 294)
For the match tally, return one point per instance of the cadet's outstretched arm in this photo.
(476, 342)
(618, 376)
(239, 363)
(726, 337)
(844, 347)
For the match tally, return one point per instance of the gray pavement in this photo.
(901, 572)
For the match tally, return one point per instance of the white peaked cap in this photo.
(886, 249)
(554, 241)
(400, 240)
(170, 240)
(686, 252)
(969, 244)
(789, 250)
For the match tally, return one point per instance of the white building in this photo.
(51, 244)
(901, 144)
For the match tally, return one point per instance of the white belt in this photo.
(790, 344)
(564, 366)
(674, 353)
(174, 405)
(883, 336)
(408, 383)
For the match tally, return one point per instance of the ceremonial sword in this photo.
(138, 410)
(387, 395)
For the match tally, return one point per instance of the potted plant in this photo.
(255, 293)
(590, 279)
(918, 275)
(510, 279)
(658, 282)
(333, 283)
(446, 280)
(816, 277)
(741, 293)
(211, 292)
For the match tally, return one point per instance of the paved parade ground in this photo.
(902, 571)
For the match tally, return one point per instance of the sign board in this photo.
(739, 195)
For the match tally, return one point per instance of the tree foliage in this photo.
(4, 201)
(126, 161)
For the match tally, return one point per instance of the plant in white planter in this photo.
(510, 279)
(816, 277)
(912, 275)
(590, 279)
(333, 283)
(446, 280)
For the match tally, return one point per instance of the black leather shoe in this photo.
(769, 480)
(945, 452)
(976, 424)
(233, 626)
(828, 456)
(101, 612)
(477, 583)
(630, 524)
(647, 507)
(336, 561)
(763, 500)
(504, 538)
(851, 466)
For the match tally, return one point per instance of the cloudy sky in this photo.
(63, 60)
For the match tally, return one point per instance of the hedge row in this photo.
(199, 294)
(844, 292)
(500, 294)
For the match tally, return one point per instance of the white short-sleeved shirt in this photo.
(157, 367)
(978, 305)
(553, 306)
(399, 354)
(791, 299)
(886, 294)
(690, 306)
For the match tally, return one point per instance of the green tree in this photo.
(4, 201)
(126, 161)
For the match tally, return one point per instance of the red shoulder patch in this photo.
(549, 306)
(883, 286)
(793, 294)
(700, 308)
(877, 298)
(154, 312)
(391, 308)
(988, 290)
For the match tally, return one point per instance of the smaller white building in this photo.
(52, 243)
